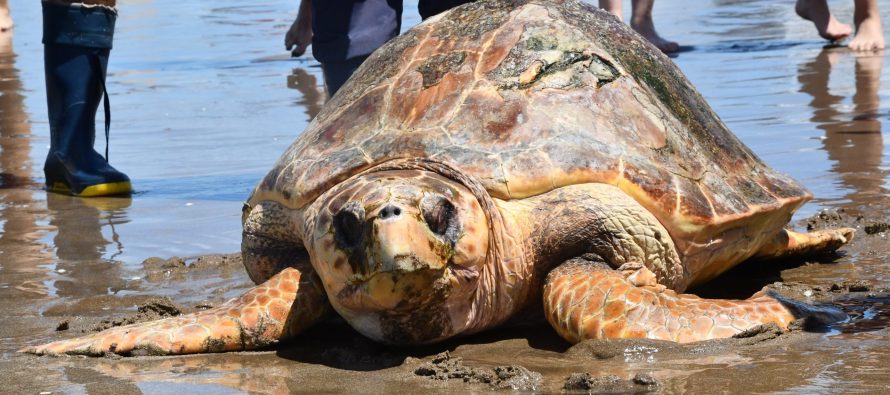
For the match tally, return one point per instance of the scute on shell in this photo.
(528, 96)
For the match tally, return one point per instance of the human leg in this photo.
(614, 7)
(77, 41)
(641, 21)
(817, 12)
(428, 8)
(869, 32)
(337, 73)
(345, 33)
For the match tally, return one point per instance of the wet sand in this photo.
(196, 85)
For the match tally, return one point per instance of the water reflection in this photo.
(853, 138)
(746, 23)
(256, 374)
(313, 96)
(19, 212)
(15, 128)
(867, 314)
(81, 245)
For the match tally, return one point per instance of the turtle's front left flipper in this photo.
(584, 299)
(283, 306)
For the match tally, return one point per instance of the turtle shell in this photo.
(528, 96)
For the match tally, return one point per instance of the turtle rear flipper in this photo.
(788, 243)
(269, 312)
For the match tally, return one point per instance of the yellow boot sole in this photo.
(109, 189)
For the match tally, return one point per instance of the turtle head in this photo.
(400, 253)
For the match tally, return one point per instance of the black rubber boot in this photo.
(77, 40)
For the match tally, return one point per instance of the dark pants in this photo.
(345, 32)
(336, 73)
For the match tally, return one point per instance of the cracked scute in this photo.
(435, 68)
(604, 72)
(522, 69)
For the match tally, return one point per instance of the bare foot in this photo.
(646, 28)
(817, 11)
(869, 34)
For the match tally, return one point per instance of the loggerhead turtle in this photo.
(499, 156)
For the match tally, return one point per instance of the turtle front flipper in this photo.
(624, 274)
(283, 306)
(585, 299)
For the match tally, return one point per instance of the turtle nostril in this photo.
(390, 211)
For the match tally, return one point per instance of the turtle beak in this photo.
(401, 260)
(401, 243)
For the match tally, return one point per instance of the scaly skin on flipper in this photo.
(588, 300)
(259, 318)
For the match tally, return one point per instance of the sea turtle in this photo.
(503, 155)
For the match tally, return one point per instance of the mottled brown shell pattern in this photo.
(528, 96)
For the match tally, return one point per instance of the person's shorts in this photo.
(345, 32)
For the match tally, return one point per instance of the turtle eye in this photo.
(439, 215)
(348, 228)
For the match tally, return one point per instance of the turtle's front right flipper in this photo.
(283, 306)
(588, 300)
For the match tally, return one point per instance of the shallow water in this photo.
(204, 99)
